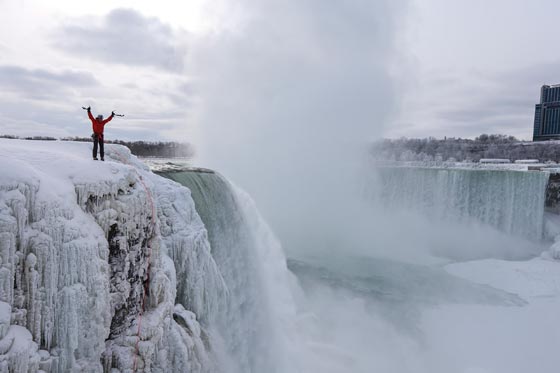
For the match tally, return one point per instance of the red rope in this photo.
(147, 286)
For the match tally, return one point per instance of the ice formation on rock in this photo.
(77, 240)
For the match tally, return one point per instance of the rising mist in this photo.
(291, 99)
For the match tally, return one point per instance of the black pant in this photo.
(98, 139)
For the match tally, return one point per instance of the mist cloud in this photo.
(292, 94)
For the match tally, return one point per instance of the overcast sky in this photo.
(476, 66)
(443, 68)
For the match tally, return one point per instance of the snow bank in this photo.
(485, 338)
(86, 283)
(529, 279)
(494, 160)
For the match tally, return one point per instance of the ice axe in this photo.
(114, 114)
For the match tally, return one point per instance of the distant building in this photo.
(547, 114)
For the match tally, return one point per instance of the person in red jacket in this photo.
(98, 124)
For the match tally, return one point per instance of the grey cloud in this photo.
(466, 115)
(130, 85)
(181, 95)
(40, 83)
(487, 110)
(530, 78)
(471, 104)
(126, 37)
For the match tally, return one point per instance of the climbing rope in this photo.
(147, 283)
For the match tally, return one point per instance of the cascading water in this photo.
(510, 201)
(250, 261)
(239, 245)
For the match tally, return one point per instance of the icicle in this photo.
(33, 303)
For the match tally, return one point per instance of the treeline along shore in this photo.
(465, 150)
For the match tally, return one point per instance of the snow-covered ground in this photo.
(494, 338)
(484, 316)
(548, 167)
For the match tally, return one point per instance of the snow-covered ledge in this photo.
(80, 242)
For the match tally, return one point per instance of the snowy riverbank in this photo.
(484, 338)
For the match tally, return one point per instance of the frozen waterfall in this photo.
(252, 265)
(510, 201)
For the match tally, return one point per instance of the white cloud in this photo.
(124, 36)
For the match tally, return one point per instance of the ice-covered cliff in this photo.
(105, 265)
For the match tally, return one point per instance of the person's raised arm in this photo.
(89, 114)
(109, 119)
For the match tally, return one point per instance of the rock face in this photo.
(86, 282)
(553, 193)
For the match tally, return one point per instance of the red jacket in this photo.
(98, 125)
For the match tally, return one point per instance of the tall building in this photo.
(547, 114)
